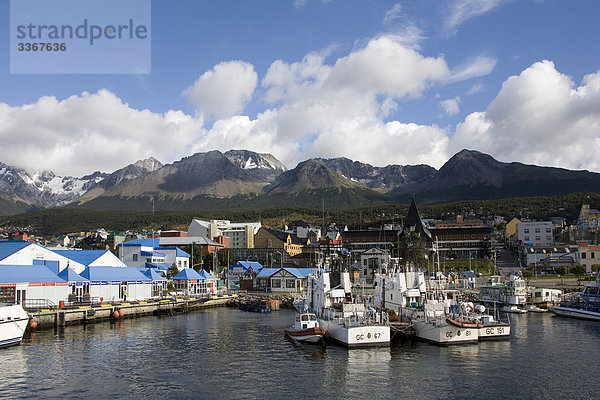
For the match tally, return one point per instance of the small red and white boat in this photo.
(306, 329)
(463, 324)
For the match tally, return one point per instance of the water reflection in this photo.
(233, 354)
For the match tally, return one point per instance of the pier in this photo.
(92, 313)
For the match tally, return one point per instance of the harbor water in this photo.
(230, 354)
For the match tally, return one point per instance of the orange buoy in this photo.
(32, 323)
(121, 312)
(115, 314)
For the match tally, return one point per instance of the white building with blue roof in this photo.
(288, 280)
(149, 253)
(118, 284)
(31, 285)
(190, 283)
(78, 260)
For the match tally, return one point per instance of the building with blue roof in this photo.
(287, 280)
(118, 284)
(190, 283)
(79, 287)
(159, 283)
(149, 253)
(81, 259)
(31, 284)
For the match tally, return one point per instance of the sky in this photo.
(377, 81)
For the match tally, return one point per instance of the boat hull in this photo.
(444, 334)
(575, 313)
(310, 335)
(494, 332)
(13, 322)
(357, 336)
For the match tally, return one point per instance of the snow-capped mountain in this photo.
(44, 188)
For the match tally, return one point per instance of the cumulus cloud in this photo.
(224, 90)
(90, 132)
(450, 106)
(539, 117)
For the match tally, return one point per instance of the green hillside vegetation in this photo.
(65, 220)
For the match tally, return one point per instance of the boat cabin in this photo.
(305, 321)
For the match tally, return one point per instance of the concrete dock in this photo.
(82, 314)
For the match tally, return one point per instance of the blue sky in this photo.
(383, 82)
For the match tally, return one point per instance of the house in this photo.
(468, 280)
(149, 253)
(267, 238)
(117, 284)
(511, 228)
(284, 280)
(588, 256)
(373, 261)
(588, 217)
(31, 285)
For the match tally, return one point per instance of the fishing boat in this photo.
(13, 322)
(584, 305)
(348, 323)
(306, 329)
(491, 327)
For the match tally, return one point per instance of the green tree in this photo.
(561, 270)
(172, 271)
(527, 274)
(578, 270)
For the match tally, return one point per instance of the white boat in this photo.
(513, 309)
(329, 295)
(584, 305)
(306, 329)
(13, 322)
(492, 328)
(513, 293)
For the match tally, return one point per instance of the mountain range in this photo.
(246, 179)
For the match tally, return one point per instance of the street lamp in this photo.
(281, 259)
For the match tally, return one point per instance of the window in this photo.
(548, 230)
(135, 257)
(526, 237)
(276, 283)
(537, 230)
(592, 254)
(290, 283)
(526, 230)
(537, 238)
(583, 255)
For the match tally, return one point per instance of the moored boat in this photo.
(306, 329)
(13, 322)
(584, 305)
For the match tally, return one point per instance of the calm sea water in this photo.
(230, 354)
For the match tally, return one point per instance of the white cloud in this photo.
(539, 117)
(473, 68)
(82, 134)
(460, 11)
(393, 14)
(224, 90)
(450, 106)
(476, 88)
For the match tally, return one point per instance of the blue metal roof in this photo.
(150, 273)
(142, 242)
(256, 266)
(97, 274)
(9, 247)
(301, 272)
(27, 273)
(178, 251)
(206, 275)
(71, 276)
(187, 274)
(267, 272)
(83, 257)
